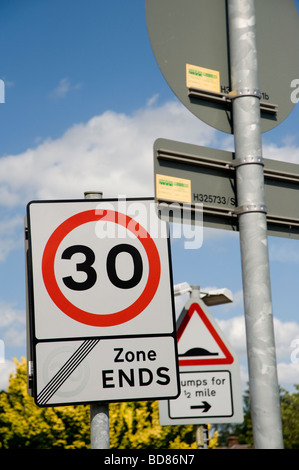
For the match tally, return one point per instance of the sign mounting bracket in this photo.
(226, 98)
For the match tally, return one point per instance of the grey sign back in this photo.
(195, 32)
(210, 176)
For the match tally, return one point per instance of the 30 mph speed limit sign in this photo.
(101, 312)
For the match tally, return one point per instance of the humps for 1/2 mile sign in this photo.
(101, 315)
(209, 372)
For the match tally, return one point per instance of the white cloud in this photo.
(286, 342)
(237, 299)
(12, 325)
(6, 368)
(234, 330)
(6, 247)
(12, 334)
(288, 375)
(288, 152)
(285, 334)
(153, 100)
(111, 152)
(64, 87)
(7, 227)
(11, 235)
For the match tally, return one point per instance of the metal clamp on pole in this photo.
(249, 159)
(232, 95)
(256, 93)
(246, 208)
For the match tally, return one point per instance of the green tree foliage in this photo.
(242, 430)
(136, 426)
(290, 422)
(24, 425)
(132, 425)
(290, 418)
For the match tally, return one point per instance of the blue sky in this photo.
(84, 103)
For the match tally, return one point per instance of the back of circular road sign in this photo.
(190, 41)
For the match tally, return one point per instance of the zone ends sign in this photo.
(100, 302)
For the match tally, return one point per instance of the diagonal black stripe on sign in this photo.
(66, 370)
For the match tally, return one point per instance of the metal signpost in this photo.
(98, 279)
(209, 371)
(264, 389)
(229, 66)
(99, 411)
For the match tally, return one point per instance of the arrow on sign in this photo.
(206, 406)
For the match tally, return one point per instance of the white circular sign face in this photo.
(106, 281)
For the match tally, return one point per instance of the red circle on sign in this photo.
(78, 314)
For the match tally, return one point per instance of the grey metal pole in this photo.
(264, 389)
(201, 430)
(99, 426)
(99, 412)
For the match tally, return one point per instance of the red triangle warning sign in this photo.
(199, 343)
